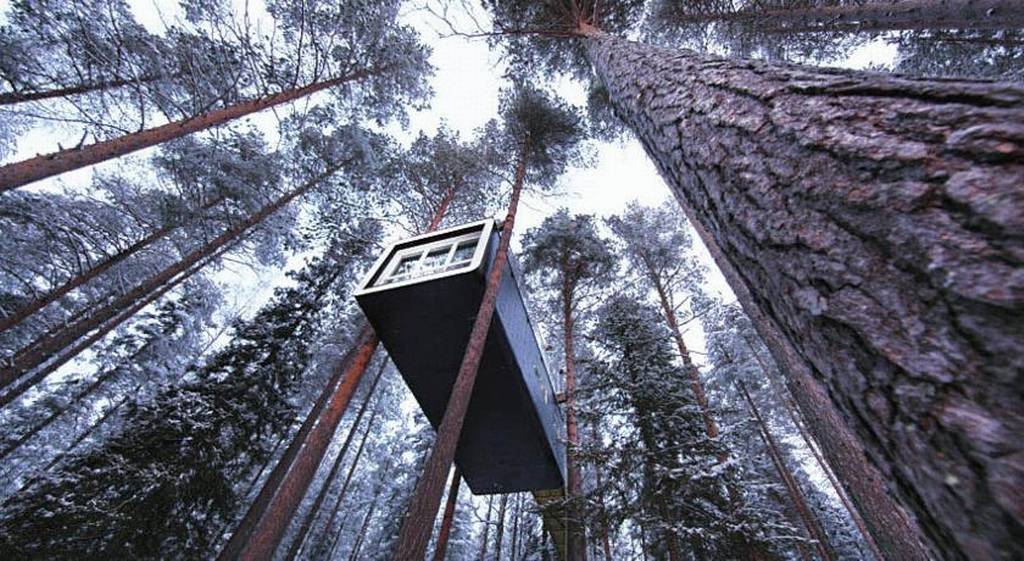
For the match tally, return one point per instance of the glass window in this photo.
(435, 260)
(406, 265)
(464, 251)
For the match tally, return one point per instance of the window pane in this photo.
(406, 265)
(435, 259)
(464, 251)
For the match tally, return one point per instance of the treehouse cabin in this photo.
(421, 297)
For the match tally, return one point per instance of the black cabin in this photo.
(421, 297)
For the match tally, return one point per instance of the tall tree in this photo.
(382, 63)
(656, 242)
(544, 135)
(118, 500)
(567, 256)
(817, 270)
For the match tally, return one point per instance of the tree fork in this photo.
(418, 522)
(27, 171)
(884, 274)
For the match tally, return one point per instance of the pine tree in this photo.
(742, 144)
(172, 471)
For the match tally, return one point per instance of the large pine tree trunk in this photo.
(44, 348)
(22, 173)
(418, 523)
(870, 225)
(876, 15)
(576, 542)
(270, 528)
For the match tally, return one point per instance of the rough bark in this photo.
(796, 495)
(449, 514)
(268, 531)
(307, 522)
(419, 520)
(24, 172)
(876, 15)
(870, 225)
(42, 349)
(93, 272)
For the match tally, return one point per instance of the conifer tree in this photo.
(746, 147)
(164, 483)
(568, 258)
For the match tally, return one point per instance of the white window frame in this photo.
(388, 276)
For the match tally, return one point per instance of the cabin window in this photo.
(428, 259)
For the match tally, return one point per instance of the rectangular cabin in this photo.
(421, 297)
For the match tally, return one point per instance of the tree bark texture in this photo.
(46, 346)
(267, 533)
(27, 171)
(796, 495)
(877, 15)
(93, 272)
(418, 523)
(871, 226)
(449, 514)
(499, 532)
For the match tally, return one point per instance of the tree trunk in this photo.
(10, 98)
(27, 171)
(95, 271)
(576, 542)
(499, 532)
(104, 328)
(342, 493)
(710, 426)
(259, 505)
(854, 515)
(270, 528)
(794, 416)
(40, 350)
(795, 493)
(875, 15)
(354, 554)
(606, 545)
(870, 226)
(487, 530)
(307, 521)
(516, 513)
(449, 514)
(418, 522)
